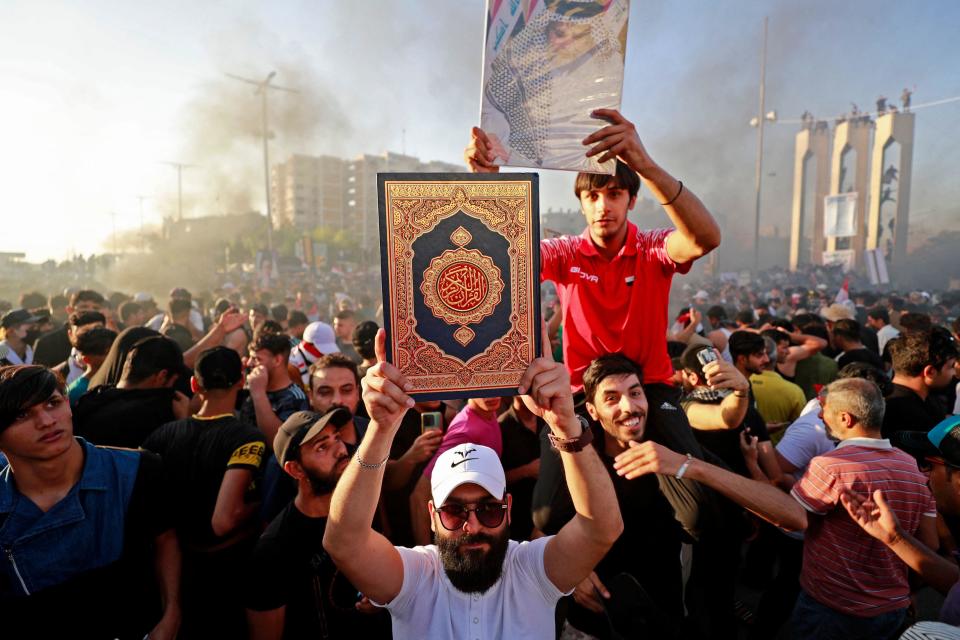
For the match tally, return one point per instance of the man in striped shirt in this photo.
(853, 586)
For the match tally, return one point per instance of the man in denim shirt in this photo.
(80, 526)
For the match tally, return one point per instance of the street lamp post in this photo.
(263, 87)
(757, 122)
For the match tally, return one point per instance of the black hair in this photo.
(746, 343)
(745, 316)
(270, 326)
(914, 322)
(129, 309)
(218, 368)
(911, 352)
(625, 178)
(867, 372)
(334, 360)
(847, 329)
(179, 305)
(879, 313)
(297, 318)
(83, 318)
(690, 362)
(86, 295)
(279, 312)
(776, 335)
(58, 302)
(364, 337)
(276, 343)
(32, 299)
(96, 342)
(717, 311)
(150, 356)
(24, 386)
(611, 364)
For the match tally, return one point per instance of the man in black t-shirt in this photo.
(211, 461)
(293, 589)
(923, 361)
(520, 430)
(144, 399)
(273, 396)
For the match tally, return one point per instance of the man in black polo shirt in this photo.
(211, 461)
(293, 588)
(923, 361)
(649, 548)
(520, 430)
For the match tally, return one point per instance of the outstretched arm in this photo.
(876, 518)
(697, 232)
(364, 556)
(761, 498)
(229, 321)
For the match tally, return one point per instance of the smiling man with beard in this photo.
(294, 589)
(474, 583)
(617, 402)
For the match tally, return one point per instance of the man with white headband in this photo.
(473, 582)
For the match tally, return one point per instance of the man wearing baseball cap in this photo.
(289, 560)
(318, 341)
(16, 324)
(473, 582)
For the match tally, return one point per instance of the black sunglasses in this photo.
(489, 514)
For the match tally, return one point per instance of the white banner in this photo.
(846, 257)
(840, 215)
(876, 266)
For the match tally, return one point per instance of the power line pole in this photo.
(179, 166)
(759, 164)
(263, 89)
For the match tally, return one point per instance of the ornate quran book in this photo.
(460, 266)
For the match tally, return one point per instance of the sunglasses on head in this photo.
(489, 514)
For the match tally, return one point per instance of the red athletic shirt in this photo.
(612, 306)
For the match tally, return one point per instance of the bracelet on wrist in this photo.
(674, 198)
(683, 468)
(367, 465)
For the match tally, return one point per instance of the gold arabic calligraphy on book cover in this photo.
(461, 280)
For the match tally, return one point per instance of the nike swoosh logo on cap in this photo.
(458, 462)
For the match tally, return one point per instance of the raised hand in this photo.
(384, 388)
(618, 139)
(479, 154)
(545, 387)
(647, 457)
(874, 516)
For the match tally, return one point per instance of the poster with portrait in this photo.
(460, 264)
(547, 64)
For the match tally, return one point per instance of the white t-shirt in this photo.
(885, 335)
(520, 605)
(805, 439)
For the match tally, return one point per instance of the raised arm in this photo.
(229, 321)
(366, 557)
(729, 414)
(697, 232)
(877, 519)
(572, 554)
(805, 346)
(761, 498)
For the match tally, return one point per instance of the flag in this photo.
(844, 294)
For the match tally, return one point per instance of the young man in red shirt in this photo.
(614, 279)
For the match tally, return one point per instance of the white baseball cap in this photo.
(467, 463)
(320, 335)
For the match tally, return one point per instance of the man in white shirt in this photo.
(878, 319)
(16, 324)
(474, 583)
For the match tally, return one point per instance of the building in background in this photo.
(340, 194)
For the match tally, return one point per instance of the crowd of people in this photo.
(233, 467)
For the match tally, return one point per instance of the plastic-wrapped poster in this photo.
(547, 65)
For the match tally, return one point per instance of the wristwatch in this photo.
(573, 445)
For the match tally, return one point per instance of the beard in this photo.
(476, 570)
(324, 483)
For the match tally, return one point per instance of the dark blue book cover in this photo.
(460, 260)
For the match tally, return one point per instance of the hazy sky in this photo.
(96, 94)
